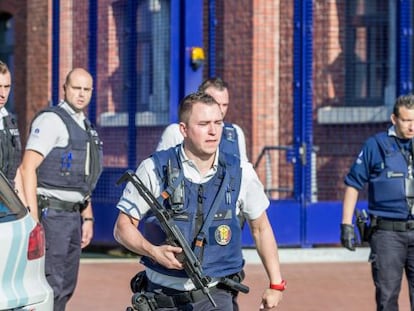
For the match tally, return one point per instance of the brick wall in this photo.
(30, 79)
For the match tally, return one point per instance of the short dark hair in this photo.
(216, 82)
(406, 101)
(186, 104)
(4, 68)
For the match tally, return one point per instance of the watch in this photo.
(280, 287)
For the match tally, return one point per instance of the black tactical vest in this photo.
(229, 142)
(10, 147)
(65, 167)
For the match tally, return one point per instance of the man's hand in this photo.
(348, 238)
(271, 299)
(87, 233)
(166, 255)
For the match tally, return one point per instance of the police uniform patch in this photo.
(223, 235)
(14, 132)
(229, 133)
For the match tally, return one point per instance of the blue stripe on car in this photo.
(15, 267)
(22, 264)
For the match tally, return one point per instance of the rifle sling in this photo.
(199, 243)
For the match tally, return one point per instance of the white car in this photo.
(23, 285)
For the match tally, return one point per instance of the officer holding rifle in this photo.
(201, 190)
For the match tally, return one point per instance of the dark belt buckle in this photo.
(183, 298)
(198, 294)
(76, 207)
(410, 225)
(400, 226)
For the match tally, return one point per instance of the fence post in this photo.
(302, 97)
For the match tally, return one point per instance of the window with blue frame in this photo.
(141, 83)
(153, 56)
(370, 52)
(7, 47)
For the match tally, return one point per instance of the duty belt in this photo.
(44, 201)
(395, 225)
(170, 298)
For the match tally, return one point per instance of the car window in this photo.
(11, 208)
(3, 208)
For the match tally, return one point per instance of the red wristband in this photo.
(281, 287)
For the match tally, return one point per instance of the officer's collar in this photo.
(184, 158)
(64, 105)
(392, 132)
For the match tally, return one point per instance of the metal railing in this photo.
(266, 154)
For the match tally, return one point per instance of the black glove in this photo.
(348, 238)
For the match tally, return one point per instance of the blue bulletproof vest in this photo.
(64, 167)
(221, 254)
(229, 140)
(387, 197)
(10, 147)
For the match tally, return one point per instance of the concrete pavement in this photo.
(319, 279)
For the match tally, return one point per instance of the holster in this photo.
(373, 226)
(365, 225)
(143, 302)
(139, 282)
(233, 283)
(83, 206)
(42, 204)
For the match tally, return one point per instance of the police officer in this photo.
(385, 163)
(10, 144)
(61, 166)
(233, 140)
(210, 189)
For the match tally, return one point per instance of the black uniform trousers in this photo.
(63, 250)
(392, 253)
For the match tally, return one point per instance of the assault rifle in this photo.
(192, 265)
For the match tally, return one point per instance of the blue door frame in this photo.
(405, 32)
(303, 107)
(186, 33)
(55, 50)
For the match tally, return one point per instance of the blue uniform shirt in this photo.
(369, 163)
